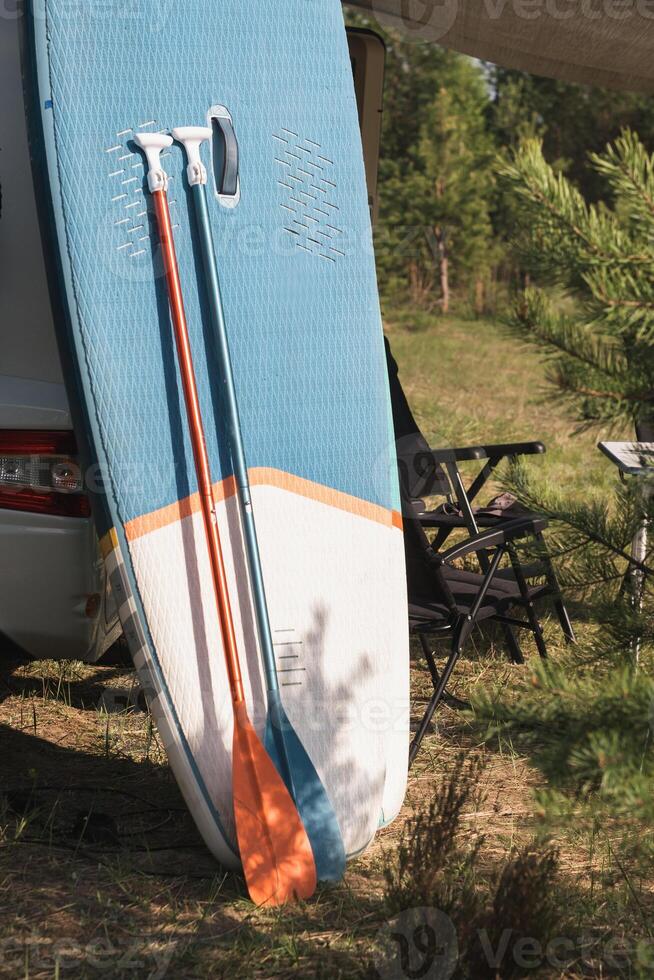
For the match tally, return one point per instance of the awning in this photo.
(599, 42)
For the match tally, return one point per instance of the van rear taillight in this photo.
(39, 473)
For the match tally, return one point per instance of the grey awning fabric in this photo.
(598, 42)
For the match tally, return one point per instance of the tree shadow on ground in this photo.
(99, 846)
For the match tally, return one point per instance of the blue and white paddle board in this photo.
(301, 304)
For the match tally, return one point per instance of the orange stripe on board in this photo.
(177, 511)
(259, 477)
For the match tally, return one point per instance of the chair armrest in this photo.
(460, 455)
(513, 449)
(494, 454)
(519, 528)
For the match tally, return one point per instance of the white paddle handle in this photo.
(192, 138)
(152, 145)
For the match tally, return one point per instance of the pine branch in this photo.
(630, 172)
(595, 393)
(536, 320)
(588, 732)
(593, 368)
(567, 235)
(589, 518)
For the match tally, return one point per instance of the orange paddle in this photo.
(275, 851)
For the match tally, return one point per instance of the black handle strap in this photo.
(225, 156)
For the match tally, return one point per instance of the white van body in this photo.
(54, 598)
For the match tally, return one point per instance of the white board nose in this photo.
(192, 138)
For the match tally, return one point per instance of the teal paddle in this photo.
(281, 740)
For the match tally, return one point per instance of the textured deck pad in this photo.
(302, 312)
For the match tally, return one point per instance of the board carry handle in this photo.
(275, 850)
(282, 741)
(225, 156)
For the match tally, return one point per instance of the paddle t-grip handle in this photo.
(192, 138)
(153, 145)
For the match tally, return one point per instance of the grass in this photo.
(103, 873)
(471, 381)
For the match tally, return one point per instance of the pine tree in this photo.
(456, 154)
(588, 720)
(602, 257)
(572, 120)
(435, 227)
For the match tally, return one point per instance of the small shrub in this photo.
(498, 917)
(430, 867)
(522, 919)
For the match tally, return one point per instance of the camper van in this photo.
(55, 598)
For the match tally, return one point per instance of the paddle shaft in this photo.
(235, 435)
(281, 740)
(275, 850)
(198, 443)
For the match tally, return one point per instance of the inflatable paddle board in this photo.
(302, 312)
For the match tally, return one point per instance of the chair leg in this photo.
(559, 605)
(429, 657)
(458, 704)
(564, 620)
(435, 701)
(515, 653)
(534, 622)
(513, 647)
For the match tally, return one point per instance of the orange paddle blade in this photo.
(275, 851)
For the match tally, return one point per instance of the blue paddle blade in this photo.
(305, 786)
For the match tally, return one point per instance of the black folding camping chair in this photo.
(427, 472)
(446, 601)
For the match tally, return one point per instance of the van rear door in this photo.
(28, 348)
